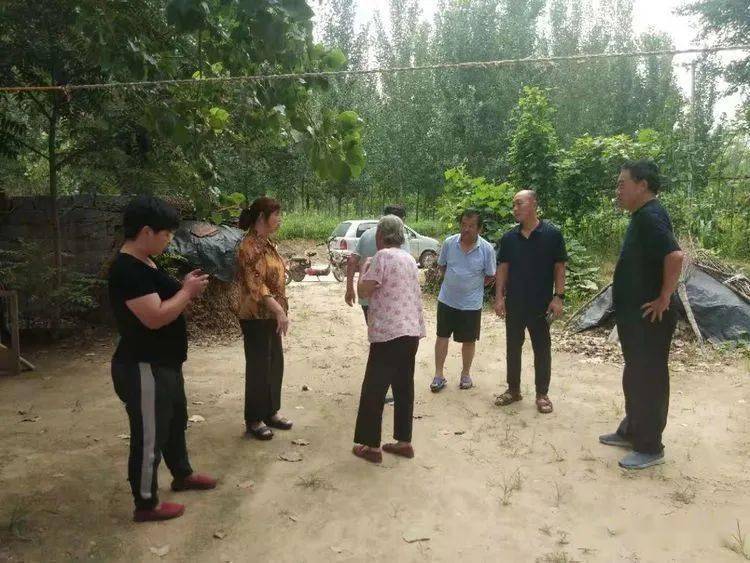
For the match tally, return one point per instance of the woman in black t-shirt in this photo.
(147, 365)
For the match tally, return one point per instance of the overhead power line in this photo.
(67, 88)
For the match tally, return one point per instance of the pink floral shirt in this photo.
(396, 305)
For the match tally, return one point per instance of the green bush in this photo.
(493, 201)
(431, 228)
(30, 271)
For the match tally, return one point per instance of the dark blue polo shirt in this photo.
(639, 273)
(531, 267)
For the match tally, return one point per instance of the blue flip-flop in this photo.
(438, 383)
(466, 382)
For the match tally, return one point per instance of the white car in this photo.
(344, 239)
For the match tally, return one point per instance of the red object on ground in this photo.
(165, 511)
(194, 481)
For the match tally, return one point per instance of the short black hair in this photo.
(148, 211)
(644, 169)
(397, 210)
(471, 212)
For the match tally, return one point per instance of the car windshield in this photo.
(340, 231)
(362, 227)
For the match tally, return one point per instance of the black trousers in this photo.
(516, 324)
(154, 398)
(645, 380)
(389, 363)
(264, 369)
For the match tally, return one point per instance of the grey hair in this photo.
(391, 229)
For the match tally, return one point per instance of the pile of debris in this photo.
(211, 317)
(714, 302)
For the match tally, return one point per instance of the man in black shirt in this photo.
(645, 279)
(531, 260)
(147, 365)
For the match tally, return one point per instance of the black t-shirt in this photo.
(130, 278)
(531, 267)
(640, 269)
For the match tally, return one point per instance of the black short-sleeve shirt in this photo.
(639, 273)
(531, 266)
(130, 278)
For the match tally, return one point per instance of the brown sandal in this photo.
(368, 454)
(404, 450)
(543, 404)
(507, 397)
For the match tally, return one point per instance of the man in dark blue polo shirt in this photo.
(531, 260)
(646, 277)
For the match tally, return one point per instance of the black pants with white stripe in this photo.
(154, 397)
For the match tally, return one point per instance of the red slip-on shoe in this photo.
(404, 450)
(374, 456)
(194, 482)
(165, 511)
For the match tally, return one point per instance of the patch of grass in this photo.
(511, 485)
(737, 542)
(558, 455)
(684, 495)
(311, 225)
(430, 228)
(18, 523)
(555, 557)
(559, 496)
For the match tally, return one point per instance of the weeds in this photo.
(560, 495)
(737, 543)
(314, 482)
(511, 485)
(558, 456)
(685, 495)
(556, 557)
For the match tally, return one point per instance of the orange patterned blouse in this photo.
(260, 272)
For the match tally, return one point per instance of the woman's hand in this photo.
(282, 322)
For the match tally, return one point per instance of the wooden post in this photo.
(10, 357)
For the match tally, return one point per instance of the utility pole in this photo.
(691, 145)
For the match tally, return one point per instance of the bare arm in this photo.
(352, 265)
(672, 270)
(155, 313)
(366, 288)
(560, 277)
(501, 280)
(556, 305)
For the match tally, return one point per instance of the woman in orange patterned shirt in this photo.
(262, 310)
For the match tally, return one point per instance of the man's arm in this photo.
(501, 280)
(672, 270)
(556, 305)
(352, 265)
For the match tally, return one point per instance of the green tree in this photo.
(534, 145)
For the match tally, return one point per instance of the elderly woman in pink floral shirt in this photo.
(395, 325)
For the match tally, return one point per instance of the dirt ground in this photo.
(486, 485)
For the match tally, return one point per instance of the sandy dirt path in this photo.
(486, 485)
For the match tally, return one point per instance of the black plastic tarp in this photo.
(213, 253)
(721, 314)
(598, 311)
